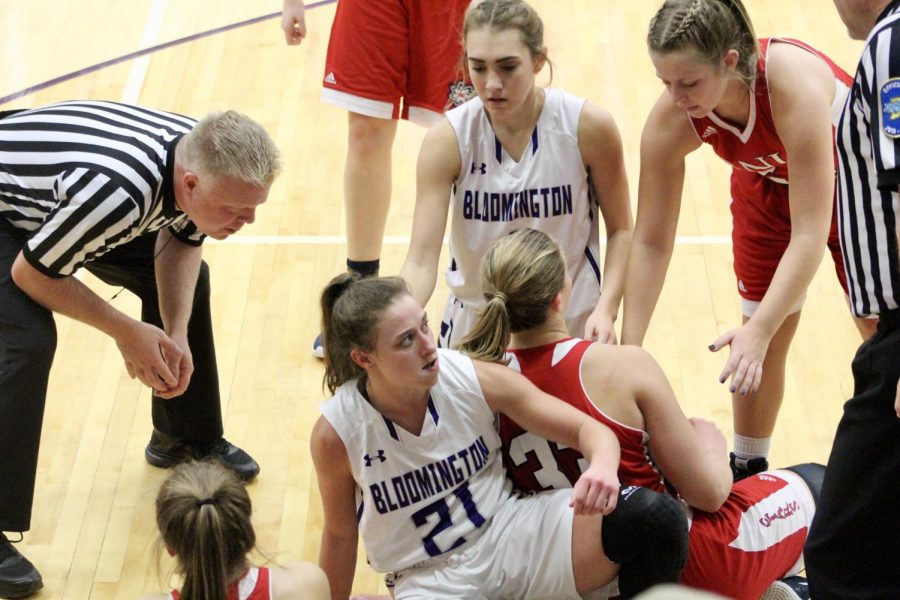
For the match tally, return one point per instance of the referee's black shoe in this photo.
(18, 577)
(164, 451)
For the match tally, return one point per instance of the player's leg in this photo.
(367, 185)
(755, 414)
(762, 231)
(647, 536)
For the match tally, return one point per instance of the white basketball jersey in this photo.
(548, 189)
(421, 496)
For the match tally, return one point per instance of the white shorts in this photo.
(525, 552)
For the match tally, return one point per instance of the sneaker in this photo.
(319, 347)
(754, 466)
(18, 577)
(229, 455)
(789, 588)
(165, 451)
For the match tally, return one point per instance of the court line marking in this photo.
(139, 53)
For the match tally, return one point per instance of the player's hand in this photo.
(745, 363)
(600, 328)
(181, 364)
(293, 21)
(147, 350)
(596, 491)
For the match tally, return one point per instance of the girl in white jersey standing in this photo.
(407, 455)
(519, 156)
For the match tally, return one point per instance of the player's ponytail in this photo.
(710, 28)
(521, 274)
(351, 308)
(203, 515)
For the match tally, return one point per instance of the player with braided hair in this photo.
(761, 104)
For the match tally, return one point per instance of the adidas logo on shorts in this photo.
(330, 79)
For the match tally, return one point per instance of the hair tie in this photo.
(205, 501)
(501, 297)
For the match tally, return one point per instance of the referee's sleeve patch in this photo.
(890, 107)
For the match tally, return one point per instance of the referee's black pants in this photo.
(853, 549)
(27, 346)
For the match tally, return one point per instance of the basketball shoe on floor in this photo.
(789, 588)
(18, 577)
(742, 469)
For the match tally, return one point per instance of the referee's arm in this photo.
(141, 344)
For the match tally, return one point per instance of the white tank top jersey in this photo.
(421, 496)
(548, 189)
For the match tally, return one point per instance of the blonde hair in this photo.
(521, 274)
(231, 144)
(203, 515)
(507, 14)
(709, 27)
(351, 308)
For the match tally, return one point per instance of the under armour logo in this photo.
(379, 457)
(482, 168)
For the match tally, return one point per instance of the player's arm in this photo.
(691, 455)
(601, 150)
(438, 167)
(512, 394)
(667, 138)
(801, 89)
(337, 488)
(293, 21)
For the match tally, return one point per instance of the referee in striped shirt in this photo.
(853, 550)
(129, 194)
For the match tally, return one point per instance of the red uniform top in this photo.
(757, 148)
(760, 201)
(757, 535)
(533, 462)
(255, 584)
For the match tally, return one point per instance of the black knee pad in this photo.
(812, 474)
(647, 535)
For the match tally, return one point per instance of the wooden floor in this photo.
(93, 529)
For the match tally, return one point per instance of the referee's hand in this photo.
(144, 348)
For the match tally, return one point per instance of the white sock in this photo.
(746, 448)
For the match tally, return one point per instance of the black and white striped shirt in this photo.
(82, 177)
(868, 142)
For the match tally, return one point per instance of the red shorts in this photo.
(760, 209)
(382, 52)
(755, 538)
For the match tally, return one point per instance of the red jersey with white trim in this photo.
(534, 463)
(255, 584)
(757, 148)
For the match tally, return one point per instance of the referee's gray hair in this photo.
(233, 144)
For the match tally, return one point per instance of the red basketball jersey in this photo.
(534, 463)
(757, 148)
(255, 584)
